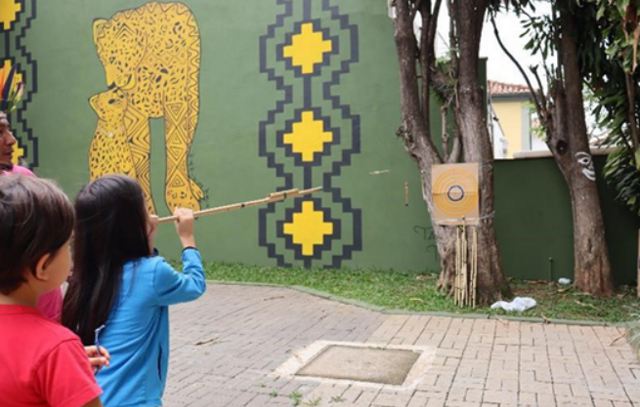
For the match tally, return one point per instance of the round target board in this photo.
(454, 188)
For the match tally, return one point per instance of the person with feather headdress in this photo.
(11, 91)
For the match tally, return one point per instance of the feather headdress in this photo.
(11, 89)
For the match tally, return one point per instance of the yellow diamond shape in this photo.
(307, 136)
(9, 9)
(308, 228)
(16, 154)
(307, 48)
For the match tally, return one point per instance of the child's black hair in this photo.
(36, 218)
(111, 229)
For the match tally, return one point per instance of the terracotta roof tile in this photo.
(501, 88)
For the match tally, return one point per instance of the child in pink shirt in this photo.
(17, 169)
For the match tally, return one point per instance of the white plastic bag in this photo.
(517, 304)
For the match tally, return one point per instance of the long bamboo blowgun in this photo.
(272, 197)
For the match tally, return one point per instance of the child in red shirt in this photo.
(41, 362)
(49, 304)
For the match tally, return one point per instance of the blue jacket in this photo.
(137, 330)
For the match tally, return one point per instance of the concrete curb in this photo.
(470, 315)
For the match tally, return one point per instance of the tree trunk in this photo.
(592, 271)
(416, 134)
(471, 121)
(445, 236)
(414, 130)
(569, 144)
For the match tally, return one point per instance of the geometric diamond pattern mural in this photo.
(310, 135)
(9, 10)
(307, 48)
(308, 228)
(16, 17)
(307, 137)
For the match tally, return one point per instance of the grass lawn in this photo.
(410, 291)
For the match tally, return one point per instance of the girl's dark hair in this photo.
(111, 229)
(36, 218)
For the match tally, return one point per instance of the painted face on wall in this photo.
(586, 162)
(7, 140)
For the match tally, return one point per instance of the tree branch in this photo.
(517, 64)
(444, 135)
(631, 116)
(558, 42)
(456, 148)
(414, 131)
(426, 56)
(453, 43)
(542, 95)
(450, 153)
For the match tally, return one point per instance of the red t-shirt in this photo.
(42, 363)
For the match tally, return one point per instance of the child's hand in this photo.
(97, 359)
(152, 227)
(184, 226)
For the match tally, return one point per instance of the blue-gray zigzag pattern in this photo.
(335, 193)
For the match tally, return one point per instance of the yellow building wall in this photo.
(510, 117)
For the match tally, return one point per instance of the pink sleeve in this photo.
(50, 304)
(64, 378)
(18, 169)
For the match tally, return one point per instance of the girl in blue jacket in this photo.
(119, 283)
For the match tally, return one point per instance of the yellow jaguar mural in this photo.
(151, 58)
(110, 152)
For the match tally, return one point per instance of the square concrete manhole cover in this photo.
(365, 364)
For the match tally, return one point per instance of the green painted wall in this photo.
(533, 222)
(236, 96)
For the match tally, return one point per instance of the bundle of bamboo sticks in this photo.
(466, 267)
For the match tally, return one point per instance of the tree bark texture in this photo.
(471, 121)
(568, 141)
(414, 129)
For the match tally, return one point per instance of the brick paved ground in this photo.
(226, 346)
